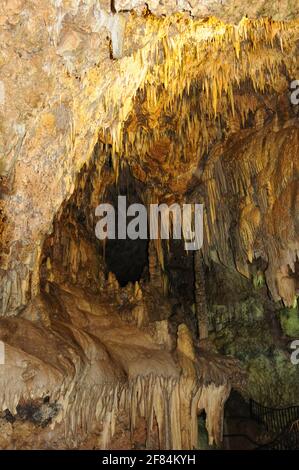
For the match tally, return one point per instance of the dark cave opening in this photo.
(179, 266)
(126, 258)
(241, 431)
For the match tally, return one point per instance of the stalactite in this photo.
(200, 297)
(154, 266)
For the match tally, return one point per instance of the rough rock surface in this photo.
(227, 10)
(198, 108)
(58, 96)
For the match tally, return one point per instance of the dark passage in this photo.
(127, 259)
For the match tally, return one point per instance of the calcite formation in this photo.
(175, 102)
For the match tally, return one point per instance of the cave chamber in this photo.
(124, 343)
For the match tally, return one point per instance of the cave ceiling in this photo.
(182, 105)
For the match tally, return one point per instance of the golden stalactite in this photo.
(193, 69)
(202, 81)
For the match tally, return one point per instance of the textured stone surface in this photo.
(198, 109)
(245, 324)
(228, 10)
(61, 88)
(84, 366)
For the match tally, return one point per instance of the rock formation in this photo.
(164, 102)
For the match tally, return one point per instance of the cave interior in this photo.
(137, 343)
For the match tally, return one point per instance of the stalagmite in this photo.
(286, 286)
(112, 285)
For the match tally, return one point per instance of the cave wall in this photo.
(68, 89)
(53, 111)
(227, 10)
(248, 325)
(87, 361)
